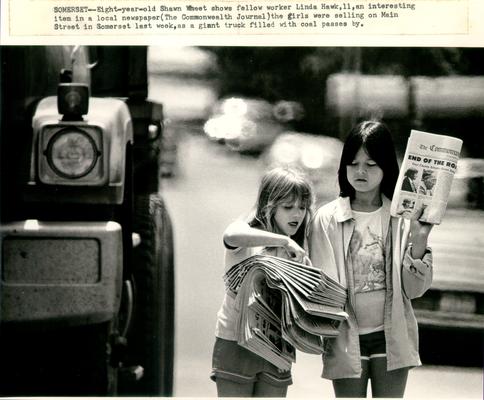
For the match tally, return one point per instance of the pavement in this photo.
(426, 382)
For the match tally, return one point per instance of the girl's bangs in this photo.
(297, 190)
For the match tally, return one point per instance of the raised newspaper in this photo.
(426, 175)
(283, 306)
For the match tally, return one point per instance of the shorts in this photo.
(233, 362)
(373, 345)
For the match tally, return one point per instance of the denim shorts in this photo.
(233, 362)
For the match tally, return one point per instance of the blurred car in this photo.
(288, 111)
(246, 125)
(456, 298)
(315, 155)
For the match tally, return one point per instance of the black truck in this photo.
(87, 264)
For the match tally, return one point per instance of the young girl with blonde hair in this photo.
(277, 228)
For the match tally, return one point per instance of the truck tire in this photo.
(150, 337)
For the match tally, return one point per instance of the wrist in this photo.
(417, 250)
(420, 237)
(285, 240)
(421, 231)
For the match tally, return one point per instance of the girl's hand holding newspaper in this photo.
(307, 261)
(295, 252)
(417, 227)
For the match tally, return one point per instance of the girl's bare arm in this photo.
(240, 234)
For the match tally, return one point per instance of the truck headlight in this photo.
(72, 153)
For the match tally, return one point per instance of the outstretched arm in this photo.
(240, 234)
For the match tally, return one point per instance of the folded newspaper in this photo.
(283, 306)
(426, 175)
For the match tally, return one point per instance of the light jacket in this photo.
(406, 278)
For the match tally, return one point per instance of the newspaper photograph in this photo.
(426, 175)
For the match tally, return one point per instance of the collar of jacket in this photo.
(344, 211)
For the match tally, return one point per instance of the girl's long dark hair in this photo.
(278, 186)
(376, 139)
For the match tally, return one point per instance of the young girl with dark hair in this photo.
(383, 261)
(277, 227)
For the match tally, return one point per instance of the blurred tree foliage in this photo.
(300, 73)
(421, 61)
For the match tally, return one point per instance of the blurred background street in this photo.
(224, 127)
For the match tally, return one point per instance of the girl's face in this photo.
(289, 216)
(363, 173)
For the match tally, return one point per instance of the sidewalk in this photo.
(423, 382)
(192, 380)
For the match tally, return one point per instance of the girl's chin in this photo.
(362, 187)
(291, 231)
(359, 184)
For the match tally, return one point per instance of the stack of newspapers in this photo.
(283, 306)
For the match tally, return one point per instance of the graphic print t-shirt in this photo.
(368, 263)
